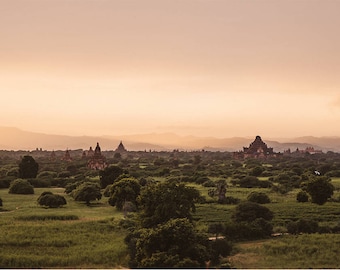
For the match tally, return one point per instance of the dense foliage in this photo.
(87, 192)
(21, 186)
(109, 175)
(161, 202)
(123, 191)
(51, 200)
(28, 167)
(320, 189)
(205, 194)
(173, 244)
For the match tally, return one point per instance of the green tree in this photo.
(126, 189)
(28, 168)
(87, 192)
(258, 197)
(161, 202)
(302, 196)
(109, 175)
(173, 244)
(51, 200)
(21, 186)
(320, 189)
(250, 211)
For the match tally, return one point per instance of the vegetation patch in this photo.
(47, 217)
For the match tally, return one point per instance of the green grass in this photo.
(78, 236)
(292, 252)
(285, 207)
(75, 235)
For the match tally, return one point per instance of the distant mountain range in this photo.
(16, 139)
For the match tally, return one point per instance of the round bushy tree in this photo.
(302, 196)
(21, 186)
(109, 175)
(320, 189)
(173, 244)
(87, 192)
(126, 189)
(249, 211)
(51, 200)
(258, 197)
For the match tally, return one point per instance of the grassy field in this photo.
(285, 207)
(71, 236)
(292, 252)
(78, 236)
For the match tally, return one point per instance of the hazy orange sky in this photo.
(203, 67)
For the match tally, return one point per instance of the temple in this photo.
(120, 148)
(257, 149)
(97, 160)
(67, 156)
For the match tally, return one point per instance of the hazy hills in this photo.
(16, 139)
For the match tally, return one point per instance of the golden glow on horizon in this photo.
(208, 68)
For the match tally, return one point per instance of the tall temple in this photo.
(257, 149)
(97, 160)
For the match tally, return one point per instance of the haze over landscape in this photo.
(206, 68)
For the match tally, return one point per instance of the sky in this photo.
(219, 68)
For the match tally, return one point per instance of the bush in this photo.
(220, 247)
(258, 197)
(302, 226)
(0, 202)
(230, 200)
(4, 183)
(48, 174)
(21, 186)
(252, 181)
(250, 211)
(209, 183)
(302, 196)
(39, 183)
(64, 174)
(51, 200)
(257, 229)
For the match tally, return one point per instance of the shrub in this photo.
(257, 229)
(302, 226)
(257, 171)
(64, 174)
(51, 200)
(4, 183)
(87, 192)
(220, 247)
(0, 202)
(209, 183)
(39, 183)
(231, 200)
(320, 189)
(302, 196)
(49, 174)
(249, 211)
(21, 186)
(252, 181)
(258, 197)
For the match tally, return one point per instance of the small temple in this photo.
(257, 149)
(97, 160)
(121, 148)
(67, 156)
